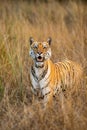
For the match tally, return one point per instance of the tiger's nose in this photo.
(39, 52)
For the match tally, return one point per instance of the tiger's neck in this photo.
(40, 72)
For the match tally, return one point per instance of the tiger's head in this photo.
(40, 51)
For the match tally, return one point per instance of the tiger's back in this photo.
(69, 73)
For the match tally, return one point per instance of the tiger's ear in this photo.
(31, 40)
(49, 40)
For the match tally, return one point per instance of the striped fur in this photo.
(48, 78)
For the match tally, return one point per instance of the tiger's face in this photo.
(40, 51)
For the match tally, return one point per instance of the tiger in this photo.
(48, 78)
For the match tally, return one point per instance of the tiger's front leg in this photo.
(47, 93)
(44, 95)
(47, 100)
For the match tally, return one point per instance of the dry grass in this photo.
(66, 23)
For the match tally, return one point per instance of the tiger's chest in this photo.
(40, 81)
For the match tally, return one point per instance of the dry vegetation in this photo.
(66, 23)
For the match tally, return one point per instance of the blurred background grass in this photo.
(66, 23)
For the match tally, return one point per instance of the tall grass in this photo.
(66, 23)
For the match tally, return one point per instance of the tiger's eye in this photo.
(35, 47)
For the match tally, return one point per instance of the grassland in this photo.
(66, 23)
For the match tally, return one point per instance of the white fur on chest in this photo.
(38, 72)
(41, 84)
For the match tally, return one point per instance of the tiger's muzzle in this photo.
(40, 58)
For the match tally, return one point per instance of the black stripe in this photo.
(44, 73)
(65, 66)
(68, 65)
(33, 73)
(46, 85)
(47, 93)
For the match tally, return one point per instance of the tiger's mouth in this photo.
(40, 59)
